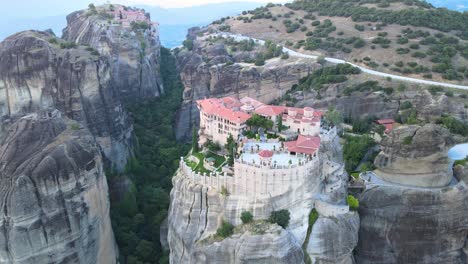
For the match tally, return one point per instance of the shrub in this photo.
(408, 140)
(434, 90)
(414, 46)
(53, 40)
(188, 43)
(246, 217)
(226, 229)
(68, 45)
(454, 125)
(260, 60)
(359, 43)
(352, 202)
(388, 90)
(75, 126)
(449, 93)
(139, 25)
(280, 217)
(402, 40)
(419, 54)
(406, 105)
(285, 56)
(359, 27)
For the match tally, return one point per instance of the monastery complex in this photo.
(220, 117)
(265, 164)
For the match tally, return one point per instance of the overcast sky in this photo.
(185, 3)
(45, 8)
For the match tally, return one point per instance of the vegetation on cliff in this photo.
(137, 216)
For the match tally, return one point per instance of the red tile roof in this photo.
(266, 154)
(304, 144)
(385, 121)
(270, 110)
(224, 108)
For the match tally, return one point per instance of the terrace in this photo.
(281, 157)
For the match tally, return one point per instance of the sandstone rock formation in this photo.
(333, 239)
(61, 119)
(272, 245)
(414, 155)
(413, 225)
(133, 55)
(419, 214)
(74, 81)
(196, 211)
(55, 207)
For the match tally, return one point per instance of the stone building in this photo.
(220, 117)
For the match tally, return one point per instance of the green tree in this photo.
(280, 217)
(246, 217)
(260, 60)
(144, 251)
(352, 202)
(231, 149)
(279, 122)
(334, 116)
(256, 121)
(226, 229)
(195, 148)
(188, 43)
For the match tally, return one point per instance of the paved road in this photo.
(338, 61)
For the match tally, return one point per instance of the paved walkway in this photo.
(338, 61)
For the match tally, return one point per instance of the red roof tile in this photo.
(223, 108)
(385, 121)
(270, 110)
(304, 144)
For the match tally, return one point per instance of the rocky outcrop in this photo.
(53, 192)
(197, 211)
(414, 155)
(61, 119)
(73, 81)
(411, 225)
(333, 239)
(418, 212)
(133, 54)
(215, 70)
(270, 245)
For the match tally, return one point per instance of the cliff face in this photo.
(133, 54)
(38, 75)
(415, 155)
(61, 118)
(53, 194)
(405, 225)
(419, 213)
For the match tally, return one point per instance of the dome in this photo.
(265, 154)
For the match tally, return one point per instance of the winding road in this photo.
(339, 61)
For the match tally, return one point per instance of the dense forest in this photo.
(139, 212)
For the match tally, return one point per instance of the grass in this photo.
(355, 175)
(201, 162)
(219, 160)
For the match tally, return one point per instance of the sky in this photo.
(45, 8)
(186, 3)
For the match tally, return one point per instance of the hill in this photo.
(410, 38)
